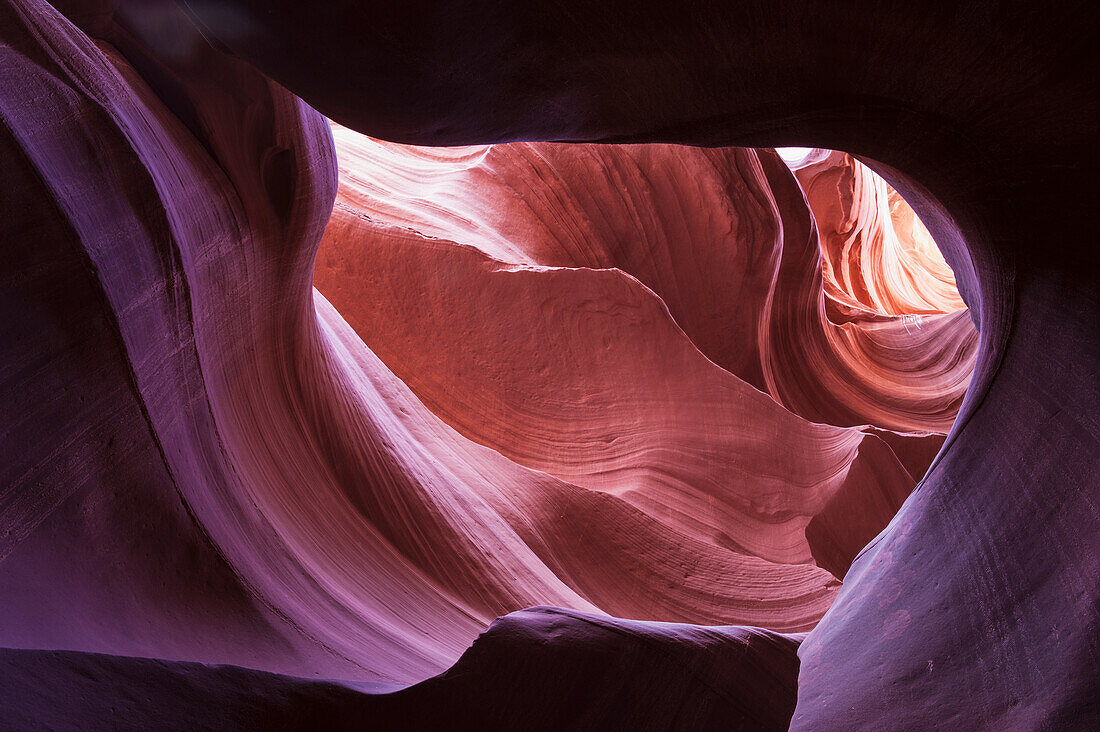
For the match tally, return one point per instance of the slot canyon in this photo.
(549, 365)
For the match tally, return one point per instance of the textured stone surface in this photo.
(204, 462)
(497, 283)
(635, 676)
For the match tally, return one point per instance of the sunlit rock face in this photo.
(722, 237)
(878, 255)
(675, 398)
(572, 308)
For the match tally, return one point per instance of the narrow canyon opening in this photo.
(747, 358)
(547, 397)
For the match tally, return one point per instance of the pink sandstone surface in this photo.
(568, 435)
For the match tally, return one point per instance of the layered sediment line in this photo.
(504, 395)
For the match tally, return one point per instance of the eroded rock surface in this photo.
(205, 462)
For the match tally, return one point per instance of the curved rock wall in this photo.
(205, 462)
(528, 334)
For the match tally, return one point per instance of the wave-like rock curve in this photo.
(203, 461)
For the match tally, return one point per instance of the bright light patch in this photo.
(794, 155)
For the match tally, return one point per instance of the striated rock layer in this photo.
(327, 517)
(723, 237)
(877, 255)
(533, 338)
(203, 462)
